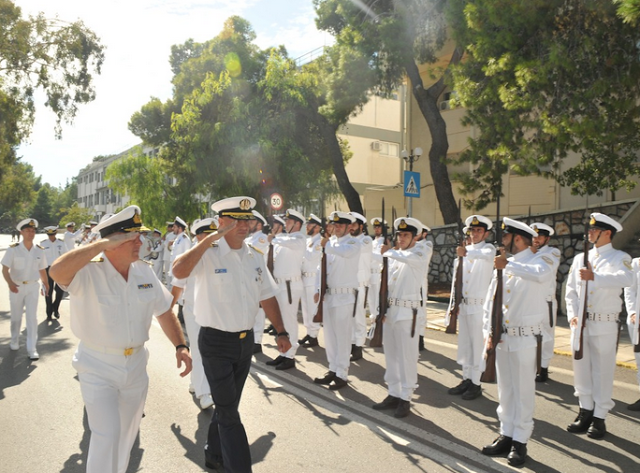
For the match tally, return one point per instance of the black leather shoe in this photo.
(474, 391)
(311, 342)
(268, 329)
(306, 337)
(403, 409)
(212, 464)
(286, 364)
(276, 361)
(543, 375)
(257, 348)
(389, 402)
(326, 379)
(338, 383)
(356, 353)
(582, 422)
(518, 454)
(461, 388)
(500, 446)
(56, 314)
(635, 406)
(597, 429)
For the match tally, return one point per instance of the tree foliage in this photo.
(17, 193)
(50, 55)
(378, 44)
(629, 10)
(543, 80)
(237, 121)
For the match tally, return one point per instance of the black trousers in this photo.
(226, 358)
(53, 304)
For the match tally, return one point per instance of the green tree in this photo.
(42, 209)
(56, 57)
(379, 43)
(544, 79)
(629, 10)
(76, 214)
(16, 193)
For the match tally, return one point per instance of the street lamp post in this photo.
(411, 158)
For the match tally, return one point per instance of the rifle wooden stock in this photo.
(323, 288)
(270, 259)
(636, 348)
(457, 298)
(376, 340)
(578, 354)
(489, 375)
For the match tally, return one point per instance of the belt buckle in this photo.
(128, 351)
(243, 335)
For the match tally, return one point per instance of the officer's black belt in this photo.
(222, 333)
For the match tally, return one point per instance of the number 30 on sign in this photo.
(276, 201)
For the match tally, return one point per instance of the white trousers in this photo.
(374, 298)
(360, 320)
(549, 336)
(593, 374)
(338, 327)
(114, 389)
(516, 372)
(289, 314)
(26, 299)
(401, 356)
(470, 343)
(309, 311)
(258, 326)
(198, 378)
(630, 327)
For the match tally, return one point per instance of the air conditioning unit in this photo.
(445, 105)
(375, 145)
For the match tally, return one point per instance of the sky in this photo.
(138, 35)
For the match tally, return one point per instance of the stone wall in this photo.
(569, 228)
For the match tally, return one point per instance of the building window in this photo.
(389, 149)
(91, 200)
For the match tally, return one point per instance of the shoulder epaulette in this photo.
(97, 259)
(214, 244)
(150, 263)
(41, 247)
(13, 245)
(256, 249)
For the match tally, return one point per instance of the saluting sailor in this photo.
(53, 249)
(287, 272)
(23, 265)
(477, 270)
(310, 264)
(523, 312)
(114, 297)
(231, 280)
(543, 250)
(364, 276)
(342, 252)
(610, 271)
(71, 236)
(405, 320)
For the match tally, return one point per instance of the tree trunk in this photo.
(428, 103)
(330, 138)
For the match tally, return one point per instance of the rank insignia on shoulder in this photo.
(150, 263)
(262, 240)
(41, 247)
(351, 242)
(547, 260)
(13, 245)
(214, 244)
(627, 263)
(97, 259)
(556, 252)
(145, 286)
(256, 249)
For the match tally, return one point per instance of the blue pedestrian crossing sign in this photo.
(411, 184)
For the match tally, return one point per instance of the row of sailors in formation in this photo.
(353, 278)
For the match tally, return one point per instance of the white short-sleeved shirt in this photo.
(53, 249)
(229, 285)
(108, 311)
(23, 264)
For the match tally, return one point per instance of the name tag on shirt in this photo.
(145, 286)
(221, 271)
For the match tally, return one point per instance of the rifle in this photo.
(454, 309)
(323, 280)
(376, 334)
(270, 258)
(577, 339)
(489, 375)
(636, 330)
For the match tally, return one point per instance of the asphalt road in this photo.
(294, 425)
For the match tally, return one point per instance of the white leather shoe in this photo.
(34, 356)
(192, 389)
(14, 346)
(206, 401)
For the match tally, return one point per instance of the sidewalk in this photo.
(435, 321)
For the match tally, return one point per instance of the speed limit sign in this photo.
(276, 201)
